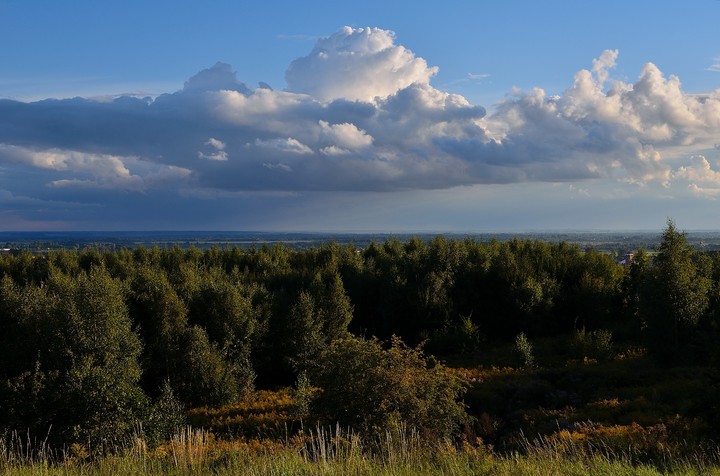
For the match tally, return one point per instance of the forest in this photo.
(490, 347)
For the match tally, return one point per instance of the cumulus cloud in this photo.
(345, 135)
(595, 129)
(360, 114)
(218, 77)
(700, 176)
(218, 150)
(357, 64)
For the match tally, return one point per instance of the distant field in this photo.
(612, 242)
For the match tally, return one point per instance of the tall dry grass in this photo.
(331, 451)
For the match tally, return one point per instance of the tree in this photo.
(205, 378)
(674, 297)
(81, 371)
(633, 289)
(161, 319)
(304, 329)
(225, 311)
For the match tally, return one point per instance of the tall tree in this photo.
(674, 297)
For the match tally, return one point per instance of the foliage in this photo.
(265, 413)
(460, 338)
(674, 297)
(374, 390)
(83, 378)
(524, 350)
(303, 396)
(166, 416)
(595, 344)
(95, 342)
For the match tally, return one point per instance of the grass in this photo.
(326, 452)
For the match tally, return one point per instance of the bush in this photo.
(166, 417)
(374, 390)
(461, 338)
(524, 350)
(594, 344)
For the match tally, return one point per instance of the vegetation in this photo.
(374, 390)
(541, 351)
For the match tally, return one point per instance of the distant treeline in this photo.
(94, 340)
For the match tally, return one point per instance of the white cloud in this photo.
(218, 152)
(289, 145)
(334, 150)
(357, 64)
(699, 170)
(578, 190)
(345, 135)
(218, 77)
(263, 107)
(620, 131)
(100, 170)
(215, 144)
(603, 64)
(278, 166)
(477, 77)
(715, 66)
(701, 178)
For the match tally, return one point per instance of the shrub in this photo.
(461, 338)
(524, 350)
(376, 390)
(594, 344)
(166, 416)
(302, 396)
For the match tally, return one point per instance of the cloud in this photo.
(701, 178)
(218, 150)
(95, 170)
(334, 150)
(598, 127)
(345, 135)
(357, 64)
(278, 166)
(218, 77)
(360, 115)
(289, 145)
(715, 66)
(477, 77)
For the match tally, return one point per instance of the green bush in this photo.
(594, 344)
(461, 338)
(375, 390)
(524, 350)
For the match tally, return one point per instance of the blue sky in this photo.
(359, 116)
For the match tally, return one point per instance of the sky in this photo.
(423, 116)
